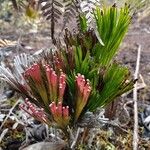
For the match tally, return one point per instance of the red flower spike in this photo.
(82, 85)
(59, 109)
(61, 114)
(34, 111)
(48, 73)
(83, 92)
(53, 108)
(80, 82)
(66, 111)
(86, 92)
(23, 107)
(62, 86)
(56, 84)
(62, 78)
(61, 93)
(52, 80)
(34, 72)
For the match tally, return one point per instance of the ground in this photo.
(139, 34)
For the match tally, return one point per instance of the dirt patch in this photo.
(139, 34)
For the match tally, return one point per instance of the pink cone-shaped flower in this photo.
(35, 82)
(34, 111)
(60, 114)
(62, 86)
(58, 62)
(34, 73)
(56, 84)
(82, 94)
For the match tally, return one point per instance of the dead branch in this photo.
(135, 132)
(10, 112)
(76, 138)
(3, 134)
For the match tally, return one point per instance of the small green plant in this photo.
(79, 76)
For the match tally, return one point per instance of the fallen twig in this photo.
(10, 111)
(135, 133)
(76, 138)
(127, 113)
(3, 134)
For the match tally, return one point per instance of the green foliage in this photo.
(112, 24)
(81, 75)
(95, 61)
(83, 23)
(114, 84)
(108, 79)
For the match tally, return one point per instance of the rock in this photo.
(8, 92)
(46, 146)
(13, 144)
(36, 132)
(144, 120)
(2, 118)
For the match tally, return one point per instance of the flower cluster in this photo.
(44, 84)
(34, 111)
(35, 83)
(56, 84)
(60, 114)
(48, 88)
(34, 73)
(83, 90)
(51, 89)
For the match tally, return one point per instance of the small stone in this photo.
(46, 146)
(9, 92)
